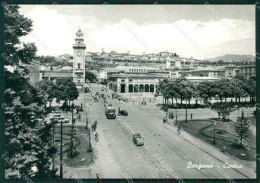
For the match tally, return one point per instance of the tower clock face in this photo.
(79, 53)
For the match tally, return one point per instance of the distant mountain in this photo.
(234, 58)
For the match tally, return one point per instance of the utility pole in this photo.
(53, 167)
(186, 117)
(61, 171)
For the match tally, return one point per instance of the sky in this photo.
(199, 31)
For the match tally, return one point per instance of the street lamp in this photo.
(176, 118)
(61, 171)
(214, 141)
(186, 115)
(53, 132)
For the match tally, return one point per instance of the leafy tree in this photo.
(206, 90)
(66, 90)
(242, 128)
(73, 143)
(90, 76)
(251, 89)
(27, 140)
(224, 88)
(223, 109)
(16, 26)
(47, 89)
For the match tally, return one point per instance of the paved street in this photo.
(164, 155)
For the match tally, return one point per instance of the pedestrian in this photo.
(95, 124)
(179, 129)
(190, 115)
(164, 119)
(79, 116)
(96, 136)
(92, 127)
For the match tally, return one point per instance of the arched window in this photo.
(146, 88)
(131, 88)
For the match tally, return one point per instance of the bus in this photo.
(110, 112)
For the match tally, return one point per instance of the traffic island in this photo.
(225, 138)
(84, 157)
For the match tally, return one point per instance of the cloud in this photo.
(56, 28)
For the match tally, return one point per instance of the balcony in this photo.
(78, 71)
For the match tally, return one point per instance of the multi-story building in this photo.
(207, 73)
(34, 68)
(134, 82)
(247, 70)
(54, 75)
(231, 71)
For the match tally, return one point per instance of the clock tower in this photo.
(79, 60)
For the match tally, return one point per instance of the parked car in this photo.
(137, 139)
(66, 119)
(124, 112)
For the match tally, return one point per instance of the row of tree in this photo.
(63, 89)
(182, 89)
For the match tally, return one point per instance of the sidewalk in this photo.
(214, 152)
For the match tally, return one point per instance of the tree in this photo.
(188, 91)
(66, 90)
(251, 89)
(73, 143)
(47, 89)
(90, 76)
(16, 26)
(206, 91)
(242, 128)
(224, 88)
(28, 146)
(223, 109)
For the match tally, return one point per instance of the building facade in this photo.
(134, 82)
(247, 70)
(79, 60)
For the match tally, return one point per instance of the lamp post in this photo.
(176, 118)
(214, 141)
(53, 132)
(186, 115)
(61, 171)
(89, 141)
(237, 111)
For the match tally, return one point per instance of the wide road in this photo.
(165, 153)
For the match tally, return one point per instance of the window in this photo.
(130, 80)
(122, 80)
(78, 65)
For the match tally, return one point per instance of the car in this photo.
(67, 119)
(137, 139)
(124, 112)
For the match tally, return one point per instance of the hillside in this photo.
(234, 57)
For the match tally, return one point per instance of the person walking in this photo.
(179, 129)
(96, 137)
